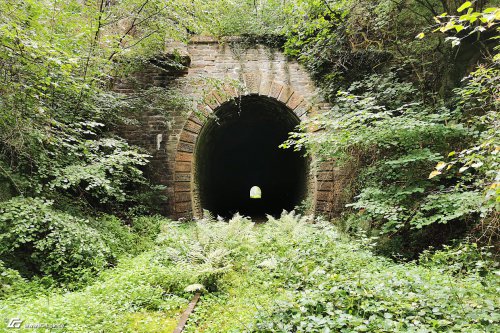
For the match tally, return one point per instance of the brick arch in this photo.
(186, 201)
(170, 136)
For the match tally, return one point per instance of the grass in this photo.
(288, 275)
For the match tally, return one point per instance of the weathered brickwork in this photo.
(219, 72)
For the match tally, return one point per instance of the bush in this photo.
(301, 275)
(136, 238)
(137, 296)
(381, 128)
(148, 226)
(117, 236)
(461, 259)
(36, 239)
(10, 280)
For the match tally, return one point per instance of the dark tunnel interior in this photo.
(239, 149)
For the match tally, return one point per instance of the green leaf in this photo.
(490, 10)
(466, 5)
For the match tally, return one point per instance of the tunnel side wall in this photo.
(218, 72)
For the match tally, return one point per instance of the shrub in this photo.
(36, 239)
(118, 237)
(461, 259)
(10, 280)
(148, 226)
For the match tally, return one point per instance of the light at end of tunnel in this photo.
(255, 192)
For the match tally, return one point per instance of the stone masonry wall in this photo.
(218, 72)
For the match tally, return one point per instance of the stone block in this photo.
(182, 177)
(265, 87)
(182, 207)
(275, 90)
(184, 157)
(211, 101)
(221, 98)
(294, 101)
(326, 166)
(324, 176)
(185, 147)
(230, 91)
(204, 110)
(325, 185)
(188, 137)
(192, 127)
(302, 109)
(182, 197)
(203, 40)
(285, 94)
(323, 206)
(194, 118)
(182, 187)
(341, 171)
(183, 167)
(323, 195)
(252, 82)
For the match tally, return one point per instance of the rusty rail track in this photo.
(185, 315)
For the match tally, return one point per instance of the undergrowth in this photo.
(292, 274)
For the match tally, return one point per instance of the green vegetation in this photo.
(291, 274)
(414, 88)
(426, 151)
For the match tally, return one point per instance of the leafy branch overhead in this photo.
(467, 22)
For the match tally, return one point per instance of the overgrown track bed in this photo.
(290, 274)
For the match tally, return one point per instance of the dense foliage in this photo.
(395, 128)
(38, 240)
(48, 242)
(414, 89)
(61, 162)
(55, 113)
(289, 275)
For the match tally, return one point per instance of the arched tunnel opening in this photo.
(239, 149)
